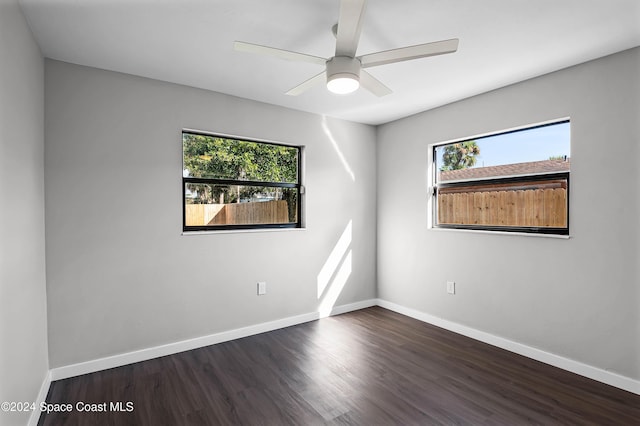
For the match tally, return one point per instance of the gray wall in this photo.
(121, 277)
(23, 327)
(576, 298)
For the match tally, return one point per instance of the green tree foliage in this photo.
(222, 158)
(211, 157)
(460, 155)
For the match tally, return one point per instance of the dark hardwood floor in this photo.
(370, 367)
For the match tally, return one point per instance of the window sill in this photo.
(520, 234)
(241, 231)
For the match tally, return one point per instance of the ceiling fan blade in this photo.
(407, 53)
(349, 27)
(373, 85)
(242, 46)
(316, 79)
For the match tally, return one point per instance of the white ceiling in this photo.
(191, 42)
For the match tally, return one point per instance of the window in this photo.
(514, 181)
(230, 183)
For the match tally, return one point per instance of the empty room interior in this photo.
(319, 212)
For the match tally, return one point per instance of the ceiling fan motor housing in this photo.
(343, 67)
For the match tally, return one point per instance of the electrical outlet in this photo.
(262, 288)
(451, 287)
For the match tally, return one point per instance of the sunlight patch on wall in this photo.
(333, 261)
(334, 142)
(337, 285)
(335, 272)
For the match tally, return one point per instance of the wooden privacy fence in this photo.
(531, 208)
(237, 213)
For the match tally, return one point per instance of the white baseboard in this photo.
(343, 309)
(119, 360)
(585, 370)
(198, 342)
(42, 396)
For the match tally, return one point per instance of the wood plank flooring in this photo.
(370, 367)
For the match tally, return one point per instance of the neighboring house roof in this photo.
(530, 168)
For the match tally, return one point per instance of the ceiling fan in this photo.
(344, 72)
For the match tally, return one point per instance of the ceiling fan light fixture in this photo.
(343, 75)
(343, 84)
